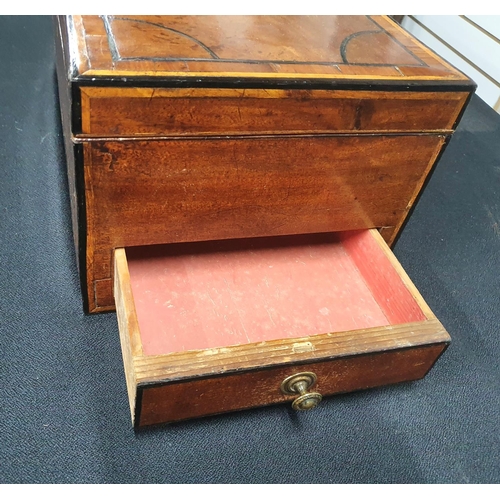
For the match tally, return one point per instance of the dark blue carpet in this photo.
(64, 413)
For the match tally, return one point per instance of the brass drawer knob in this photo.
(298, 385)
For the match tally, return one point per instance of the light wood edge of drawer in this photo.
(175, 367)
(128, 326)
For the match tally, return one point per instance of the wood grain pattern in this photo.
(312, 47)
(195, 398)
(152, 192)
(132, 112)
(123, 294)
(184, 365)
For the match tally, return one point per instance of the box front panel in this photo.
(165, 191)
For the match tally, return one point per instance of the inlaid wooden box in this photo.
(236, 183)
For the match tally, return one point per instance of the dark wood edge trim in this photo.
(320, 83)
(422, 189)
(462, 111)
(82, 223)
(138, 407)
(76, 109)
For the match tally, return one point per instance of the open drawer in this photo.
(219, 326)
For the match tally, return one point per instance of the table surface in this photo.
(63, 400)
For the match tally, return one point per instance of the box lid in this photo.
(335, 51)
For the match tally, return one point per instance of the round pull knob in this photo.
(298, 385)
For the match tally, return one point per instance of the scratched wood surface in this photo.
(340, 47)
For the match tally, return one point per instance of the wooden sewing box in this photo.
(236, 184)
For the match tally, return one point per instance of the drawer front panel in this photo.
(196, 398)
(127, 112)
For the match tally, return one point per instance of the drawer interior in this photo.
(212, 327)
(224, 293)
